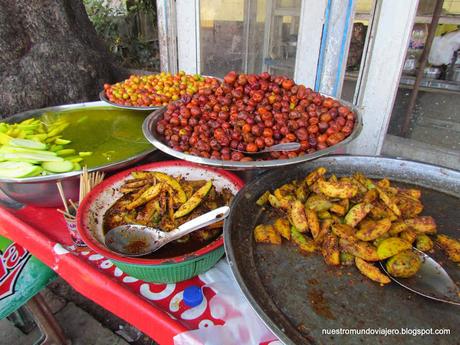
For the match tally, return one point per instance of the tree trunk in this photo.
(49, 55)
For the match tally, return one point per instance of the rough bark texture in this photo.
(49, 55)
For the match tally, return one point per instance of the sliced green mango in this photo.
(58, 167)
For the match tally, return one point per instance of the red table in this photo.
(155, 309)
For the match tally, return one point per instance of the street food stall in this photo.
(235, 197)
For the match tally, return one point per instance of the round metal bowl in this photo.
(150, 132)
(41, 190)
(103, 98)
(90, 220)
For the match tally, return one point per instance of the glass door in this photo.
(248, 36)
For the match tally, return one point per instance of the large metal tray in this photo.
(298, 297)
(150, 132)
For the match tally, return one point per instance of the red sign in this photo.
(12, 261)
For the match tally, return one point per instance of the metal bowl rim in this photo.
(151, 135)
(103, 98)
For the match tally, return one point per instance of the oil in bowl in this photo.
(111, 134)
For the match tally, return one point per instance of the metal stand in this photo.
(23, 320)
(52, 332)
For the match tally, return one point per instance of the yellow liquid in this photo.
(112, 134)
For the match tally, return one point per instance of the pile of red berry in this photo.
(250, 112)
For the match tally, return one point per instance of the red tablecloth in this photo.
(155, 309)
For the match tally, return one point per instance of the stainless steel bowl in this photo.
(150, 132)
(42, 190)
(104, 98)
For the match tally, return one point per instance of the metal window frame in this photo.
(389, 33)
(188, 35)
(312, 19)
(335, 45)
(167, 33)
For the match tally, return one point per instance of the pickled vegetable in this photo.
(404, 264)
(355, 220)
(370, 271)
(194, 201)
(392, 246)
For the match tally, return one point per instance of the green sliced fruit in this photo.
(38, 137)
(37, 171)
(405, 264)
(56, 148)
(27, 144)
(58, 167)
(74, 159)
(33, 156)
(392, 246)
(18, 169)
(60, 141)
(194, 200)
(76, 166)
(12, 149)
(65, 152)
(4, 138)
(85, 154)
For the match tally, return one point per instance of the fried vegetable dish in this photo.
(165, 202)
(354, 220)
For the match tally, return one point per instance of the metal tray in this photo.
(103, 98)
(150, 132)
(300, 296)
(42, 190)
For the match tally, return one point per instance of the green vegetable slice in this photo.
(32, 156)
(85, 154)
(60, 141)
(12, 149)
(27, 144)
(18, 169)
(65, 152)
(58, 167)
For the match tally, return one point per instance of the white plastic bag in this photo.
(242, 325)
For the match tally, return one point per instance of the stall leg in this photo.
(52, 332)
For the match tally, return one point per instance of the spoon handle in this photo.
(283, 147)
(206, 219)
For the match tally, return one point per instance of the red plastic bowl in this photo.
(93, 207)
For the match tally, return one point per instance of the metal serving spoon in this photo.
(431, 281)
(274, 148)
(139, 240)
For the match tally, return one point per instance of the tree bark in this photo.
(49, 54)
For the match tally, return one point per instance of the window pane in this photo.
(363, 11)
(288, 3)
(431, 132)
(221, 36)
(250, 36)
